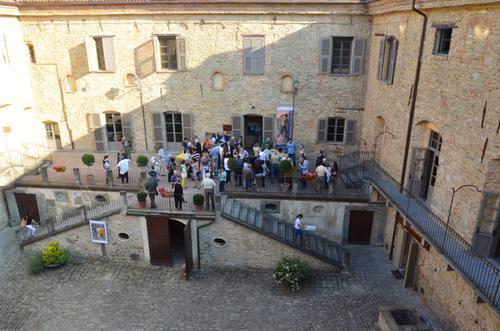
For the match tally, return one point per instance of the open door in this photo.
(418, 168)
(188, 249)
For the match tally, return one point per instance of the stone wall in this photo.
(246, 248)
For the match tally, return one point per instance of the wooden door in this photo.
(26, 204)
(360, 227)
(159, 241)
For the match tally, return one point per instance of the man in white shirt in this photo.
(123, 168)
(321, 176)
(297, 229)
(208, 185)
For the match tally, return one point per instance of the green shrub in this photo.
(198, 199)
(36, 264)
(286, 167)
(141, 196)
(292, 272)
(88, 159)
(55, 254)
(142, 161)
(232, 163)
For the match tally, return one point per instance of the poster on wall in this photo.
(284, 124)
(98, 232)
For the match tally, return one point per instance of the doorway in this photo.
(360, 227)
(26, 204)
(114, 131)
(177, 242)
(252, 130)
(166, 241)
(173, 131)
(53, 136)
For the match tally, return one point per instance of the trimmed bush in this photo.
(198, 199)
(141, 196)
(286, 167)
(36, 264)
(232, 163)
(88, 159)
(142, 161)
(54, 254)
(292, 272)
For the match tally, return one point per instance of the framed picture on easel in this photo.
(98, 232)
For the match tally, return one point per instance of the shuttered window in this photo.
(170, 52)
(253, 55)
(387, 59)
(337, 130)
(342, 55)
(100, 53)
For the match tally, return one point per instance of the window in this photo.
(114, 129)
(287, 84)
(168, 52)
(218, 81)
(253, 55)
(435, 147)
(443, 41)
(173, 127)
(342, 55)
(100, 53)
(387, 59)
(337, 130)
(31, 52)
(49, 131)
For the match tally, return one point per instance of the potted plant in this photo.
(292, 273)
(142, 162)
(89, 160)
(165, 193)
(59, 168)
(141, 198)
(198, 201)
(286, 168)
(54, 255)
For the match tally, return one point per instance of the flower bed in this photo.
(292, 273)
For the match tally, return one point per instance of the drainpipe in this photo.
(414, 96)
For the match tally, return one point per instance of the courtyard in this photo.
(105, 295)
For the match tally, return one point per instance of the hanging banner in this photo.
(284, 124)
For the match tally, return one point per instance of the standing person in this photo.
(320, 158)
(321, 177)
(222, 181)
(162, 161)
(208, 186)
(247, 175)
(226, 167)
(291, 149)
(298, 229)
(123, 168)
(335, 170)
(151, 187)
(126, 146)
(30, 225)
(304, 169)
(178, 194)
(275, 165)
(184, 173)
(155, 163)
(106, 164)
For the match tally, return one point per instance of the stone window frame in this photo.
(180, 51)
(388, 52)
(254, 49)
(439, 38)
(349, 134)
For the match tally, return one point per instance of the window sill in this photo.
(440, 56)
(385, 82)
(103, 72)
(262, 74)
(167, 71)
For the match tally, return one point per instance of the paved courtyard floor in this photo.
(104, 295)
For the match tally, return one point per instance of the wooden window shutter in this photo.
(98, 133)
(158, 132)
(156, 45)
(126, 127)
(247, 56)
(91, 54)
(437, 40)
(325, 55)
(187, 126)
(358, 56)
(351, 132)
(180, 44)
(381, 58)
(258, 55)
(268, 130)
(237, 122)
(322, 130)
(109, 53)
(145, 59)
(392, 61)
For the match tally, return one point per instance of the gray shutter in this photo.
(237, 126)
(322, 130)
(91, 54)
(109, 53)
(325, 55)
(187, 126)
(98, 133)
(381, 58)
(350, 138)
(144, 58)
(180, 44)
(392, 61)
(436, 42)
(358, 56)
(158, 132)
(268, 131)
(157, 55)
(247, 55)
(126, 128)
(258, 55)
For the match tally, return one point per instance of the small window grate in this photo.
(404, 317)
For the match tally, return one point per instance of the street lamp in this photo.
(295, 86)
(139, 87)
(455, 190)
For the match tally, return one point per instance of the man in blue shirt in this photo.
(291, 149)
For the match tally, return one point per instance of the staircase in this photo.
(352, 168)
(271, 226)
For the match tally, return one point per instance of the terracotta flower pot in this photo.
(142, 204)
(167, 194)
(198, 207)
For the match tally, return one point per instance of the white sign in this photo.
(98, 232)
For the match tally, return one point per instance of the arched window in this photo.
(70, 84)
(130, 80)
(287, 84)
(218, 81)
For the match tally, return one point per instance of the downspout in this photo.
(414, 96)
(412, 115)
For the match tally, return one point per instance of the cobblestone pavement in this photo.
(104, 295)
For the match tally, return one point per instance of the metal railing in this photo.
(283, 231)
(472, 265)
(168, 203)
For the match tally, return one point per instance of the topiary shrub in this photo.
(292, 273)
(36, 264)
(88, 159)
(54, 254)
(198, 199)
(286, 167)
(142, 161)
(232, 163)
(141, 196)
